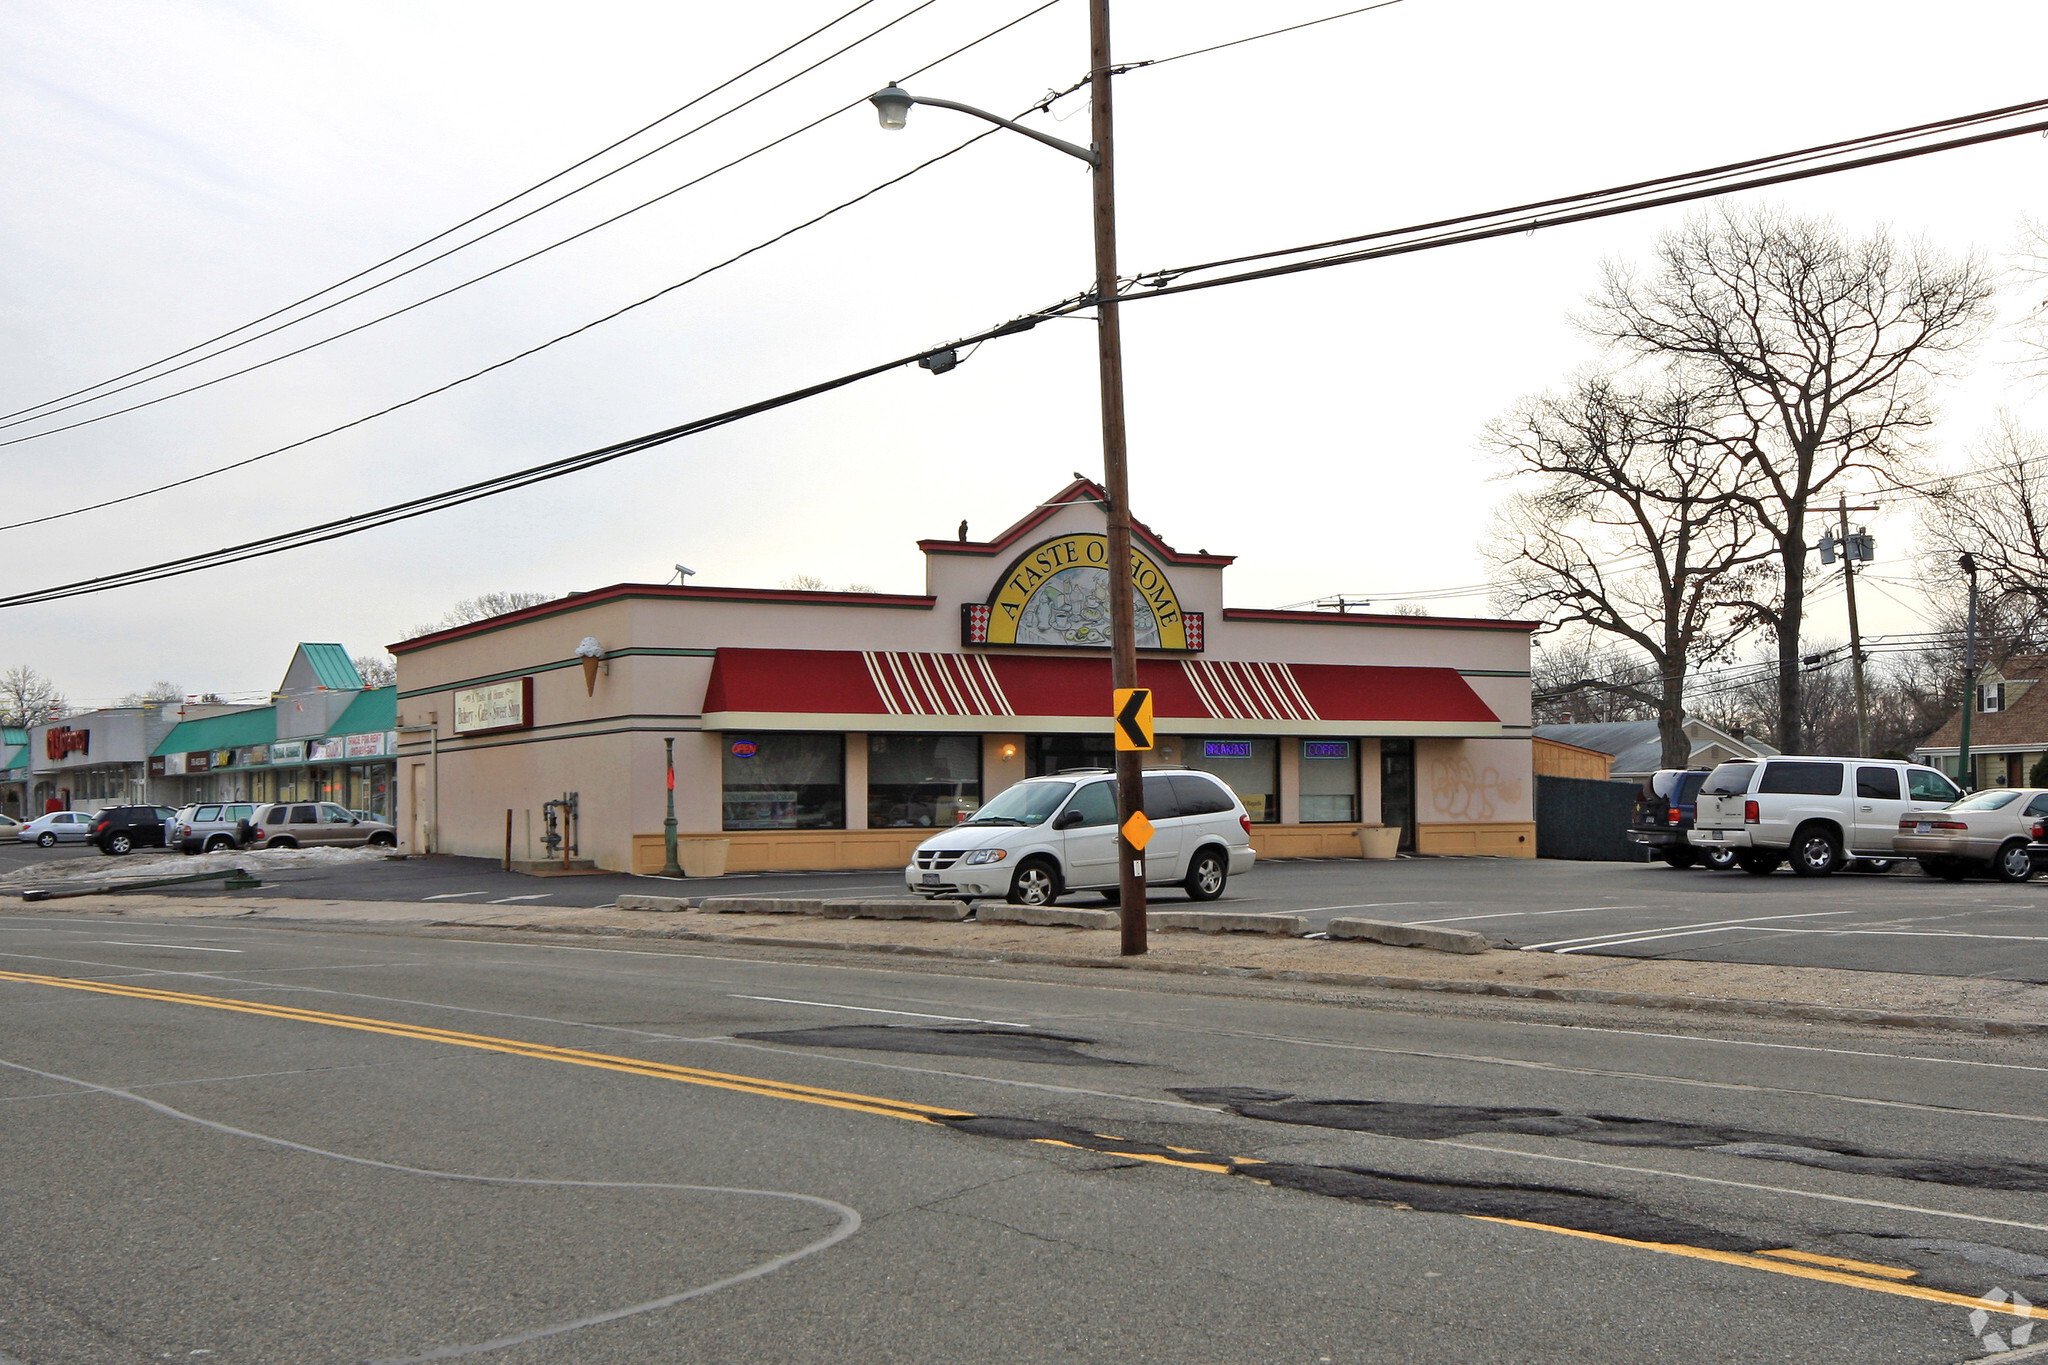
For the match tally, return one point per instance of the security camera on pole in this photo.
(893, 105)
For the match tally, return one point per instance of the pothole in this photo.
(1003, 1044)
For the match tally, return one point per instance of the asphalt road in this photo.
(237, 1144)
(1901, 921)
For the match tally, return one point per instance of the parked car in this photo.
(58, 827)
(211, 827)
(315, 824)
(1045, 836)
(9, 826)
(1663, 818)
(1816, 813)
(1987, 831)
(118, 829)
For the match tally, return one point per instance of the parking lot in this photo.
(1901, 921)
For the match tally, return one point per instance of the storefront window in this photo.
(1049, 754)
(1329, 780)
(1250, 767)
(785, 781)
(918, 781)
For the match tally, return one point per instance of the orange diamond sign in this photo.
(1138, 831)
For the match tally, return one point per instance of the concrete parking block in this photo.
(1224, 922)
(1002, 912)
(1409, 935)
(901, 907)
(761, 905)
(669, 903)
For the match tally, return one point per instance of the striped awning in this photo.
(886, 690)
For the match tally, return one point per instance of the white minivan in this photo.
(1046, 836)
(1816, 813)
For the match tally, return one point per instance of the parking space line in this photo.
(1559, 943)
(537, 896)
(1530, 914)
(453, 895)
(181, 947)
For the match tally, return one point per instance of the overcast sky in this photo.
(174, 170)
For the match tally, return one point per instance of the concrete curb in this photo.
(1226, 922)
(667, 903)
(1409, 935)
(1701, 1004)
(1002, 912)
(760, 905)
(911, 907)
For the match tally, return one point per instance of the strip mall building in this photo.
(838, 729)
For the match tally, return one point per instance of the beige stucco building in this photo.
(837, 730)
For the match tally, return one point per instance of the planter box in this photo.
(702, 857)
(1379, 841)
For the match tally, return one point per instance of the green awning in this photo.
(372, 712)
(234, 730)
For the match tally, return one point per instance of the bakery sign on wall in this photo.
(494, 706)
(1056, 594)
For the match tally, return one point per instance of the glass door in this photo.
(1397, 788)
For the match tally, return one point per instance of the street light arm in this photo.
(1071, 149)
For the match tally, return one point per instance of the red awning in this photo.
(789, 689)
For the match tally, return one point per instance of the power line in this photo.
(473, 218)
(552, 341)
(1270, 33)
(488, 274)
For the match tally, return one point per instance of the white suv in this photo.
(1815, 812)
(1047, 836)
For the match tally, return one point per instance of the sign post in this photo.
(1131, 711)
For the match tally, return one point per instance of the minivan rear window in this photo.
(1199, 795)
(1801, 779)
(1730, 779)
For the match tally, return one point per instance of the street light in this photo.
(1968, 563)
(892, 105)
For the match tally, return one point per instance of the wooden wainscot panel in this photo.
(1511, 839)
(821, 850)
(1306, 841)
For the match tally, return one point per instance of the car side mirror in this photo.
(1069, 820)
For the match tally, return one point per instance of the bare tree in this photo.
(376, 670)
(2030, 272)
(1630, 525)
(1579, 677)
(1996, 509)
(28, 698)
(481, 608)
(810, 582)
(1823, 352)
(156, 694)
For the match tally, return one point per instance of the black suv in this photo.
(1663, 818)
(118, 829)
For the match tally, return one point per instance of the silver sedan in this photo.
(1986, 831)
(58, 827)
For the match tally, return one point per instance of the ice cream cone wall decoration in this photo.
(592, 654)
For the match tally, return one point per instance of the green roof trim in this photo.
(371, 712)
(332, 666)
(12, 735)
(235, 730)
(11, 759)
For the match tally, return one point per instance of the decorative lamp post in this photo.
(892, 104)
(671, 868)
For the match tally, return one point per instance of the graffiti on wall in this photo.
(1461, 791)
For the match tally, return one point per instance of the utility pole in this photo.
(1963, 773)
(1850, 554)
(1116, 484)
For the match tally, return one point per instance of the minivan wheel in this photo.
(46, 840)
(1757, 864)
(1718, 859)
(1207, 875)
(1815, 852)
(118, 844)
(1036, 882)
(2012, 863)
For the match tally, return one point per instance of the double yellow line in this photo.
(1797, 1264)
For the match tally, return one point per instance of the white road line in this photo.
(538, 896)
(452, 895)
(908, 1014)
(1740, 1184)
(1512, 914)
(1785, 1047)
(1911, 933)
(1701, 924)
(181, 947)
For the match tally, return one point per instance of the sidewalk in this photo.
(1961, 1004)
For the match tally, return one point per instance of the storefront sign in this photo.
(255, 756)
(494, 706)
(62, 741)
(1057, 593)
(174, 765)
(223, 758)
(156, 766)
(365, 746)
(1326, 748)
(745, 748)
(1226, 748)
(288, 751)
(199, 761)
(324, 750)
